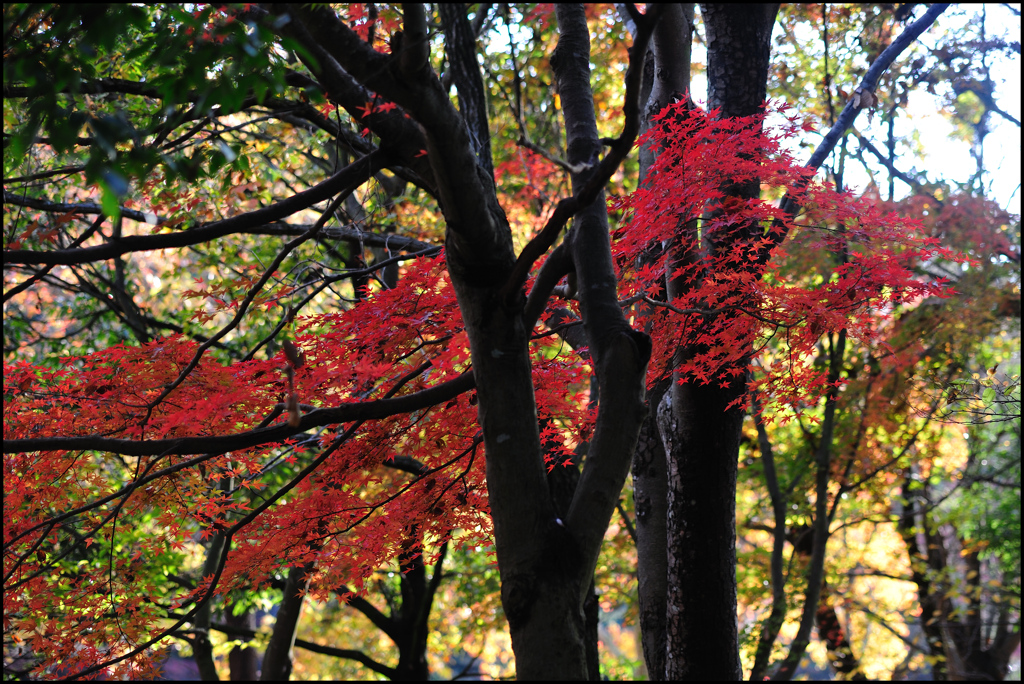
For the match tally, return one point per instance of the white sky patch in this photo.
(945, 157)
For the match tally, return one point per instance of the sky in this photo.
(950, 158)
(1003, 144)
(946, 157)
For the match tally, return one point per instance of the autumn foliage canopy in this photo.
(66, 519)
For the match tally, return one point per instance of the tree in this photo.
(895, 404)
(480, 260)
(125, 457)
(895, 426)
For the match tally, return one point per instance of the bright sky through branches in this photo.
(945, 156)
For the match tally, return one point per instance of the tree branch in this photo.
(479, 240)
(460, 46)
(847, 116)
(355, 173)
(569, 206)
(368, 410)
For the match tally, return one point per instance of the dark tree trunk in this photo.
(703, 445)
(243, 662)
(202, 647)
(702, 436)
(460, 48)
(546, 562)
(562, 481)
(921, 561)
(667, 79)
(649, 491)
(411, 624)
(830, 630)
(277, 661)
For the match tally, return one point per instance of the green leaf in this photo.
(109, 198)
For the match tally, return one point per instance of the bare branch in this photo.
(354, 174)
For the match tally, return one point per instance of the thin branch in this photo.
(846, 118)
(359, 411)
(313, 647)
(347, 177)
(630, 528)
(569, 206)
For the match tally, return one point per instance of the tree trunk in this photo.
(202, 647)
(411, 623)
(277, 661)
(243, 661)
(702, 436)
(668, 72)
(545, 562)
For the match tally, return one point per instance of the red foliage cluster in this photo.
(351, 515)
(845, 263)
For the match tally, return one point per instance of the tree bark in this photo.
(667, 79)
(243, 661)
(202, 647)
(277, 661)
(460, 47)
(703, 436)
(823, 462)
(912, 523)
(545, 562)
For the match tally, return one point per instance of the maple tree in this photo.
(897, 418)
(895, 421)
(317, 415)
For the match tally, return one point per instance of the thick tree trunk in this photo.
(649, 496)
(703, 445)
(545, 562)
(702, 435)
(537, 557)
(562, 481)
(667, 79)
(277, 661)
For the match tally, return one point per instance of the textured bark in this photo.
(277, 661)
(666, 80)
(739, 46)
(649, 497)
(460, 47)
(703, 437)
(618, 353)
(545, 562)
(670, 69)
(701, 615)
